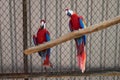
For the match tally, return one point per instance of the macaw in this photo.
(77, 22)
(43, 36)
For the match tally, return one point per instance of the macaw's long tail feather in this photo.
(82, 60)
(46, 62)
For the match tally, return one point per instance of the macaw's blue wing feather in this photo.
(81, 23)
(82, 26)
(78, 40)
(47, 37)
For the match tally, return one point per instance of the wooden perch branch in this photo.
(74, 34)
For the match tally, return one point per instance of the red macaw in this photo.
(42, 37)
(77, 22)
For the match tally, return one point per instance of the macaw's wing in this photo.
(70, 26)
(83, 26)
(35, 40)
(47, 37)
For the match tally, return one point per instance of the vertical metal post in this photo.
(90, 34)
(45, 9)
(41, 16)
(41, 13)
(76, 5)
(58, 33)
(101, 48)
(71, 47)
(11, 35)
(91, 13)
(60, 14)
(119, 37)
(1, 66)
(87, 20)
(25, 35)
(15, 40)
(105, 34)
(29, 2)
(116, 42)
(56, 24)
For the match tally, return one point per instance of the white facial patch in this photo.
(66, 11)
(42, 23)
(70, 11)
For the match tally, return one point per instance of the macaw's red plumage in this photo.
(42, 37)
(76, 22)
(81, 55)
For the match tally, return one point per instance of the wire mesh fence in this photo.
(20, 20)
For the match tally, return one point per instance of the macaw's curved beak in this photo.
(41, 26)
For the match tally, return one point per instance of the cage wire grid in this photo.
(19, 21)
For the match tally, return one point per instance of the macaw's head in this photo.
(69, 12)
(42, 24)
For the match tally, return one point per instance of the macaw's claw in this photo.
(51, 65)
(45, 69)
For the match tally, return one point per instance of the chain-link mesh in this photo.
(11, 41)
(103, 47)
